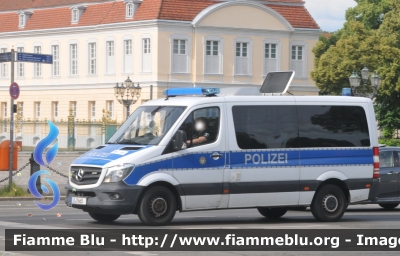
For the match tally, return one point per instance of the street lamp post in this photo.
(132, 94)
(355, 82)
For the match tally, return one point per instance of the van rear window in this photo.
(332, 126)
(262, 127)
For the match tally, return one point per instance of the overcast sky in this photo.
(330, 15)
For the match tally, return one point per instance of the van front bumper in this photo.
(98, 200)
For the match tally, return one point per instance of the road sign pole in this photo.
(11, 123)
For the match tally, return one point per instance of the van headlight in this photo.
(118, 173)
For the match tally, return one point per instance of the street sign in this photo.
(35, 57)
(5, 57)
(14, 91)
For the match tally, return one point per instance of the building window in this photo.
(4, 66)
(213, 60)
(297, 60)
(146, 55)
(146, 45)
(110, 108)
(72, 105)
(20, 65)
(75, 15)
(297, 53)
(242, 59)
(21, 20)
(37, 66)
(128, 56)
(4, 109)
(129, 10)
(73, 48)
(180, 47)
(21, 108)
(92, 59)
(55, 110)
(37, 109)
(271, 58)
(92, 110)
(56, 60)
(179, 56)
(110, 57)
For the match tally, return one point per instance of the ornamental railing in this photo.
(75, 134)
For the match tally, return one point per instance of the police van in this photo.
(208, 149)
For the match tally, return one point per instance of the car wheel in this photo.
(329, 204)
(157, 207)
(272, 213)
(388, 206)
(104, 217)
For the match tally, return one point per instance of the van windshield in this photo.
(147, 125)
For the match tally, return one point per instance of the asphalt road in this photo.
(14, 215)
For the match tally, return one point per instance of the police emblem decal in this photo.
(202, 160)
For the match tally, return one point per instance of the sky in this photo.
(330, 15)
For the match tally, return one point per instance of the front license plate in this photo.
(78, 200)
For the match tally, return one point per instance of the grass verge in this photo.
(13, 191)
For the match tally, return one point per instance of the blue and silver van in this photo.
(205, 149)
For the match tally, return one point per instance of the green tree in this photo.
(353, 50)
(369, 12)
(367, 38)
(388, 101)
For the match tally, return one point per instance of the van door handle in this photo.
(216, 155)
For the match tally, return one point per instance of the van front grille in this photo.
(85, 175)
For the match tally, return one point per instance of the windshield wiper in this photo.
(131, 142)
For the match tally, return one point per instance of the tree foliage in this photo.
(369, 12)
(370, 37)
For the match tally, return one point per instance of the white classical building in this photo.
(165, 43)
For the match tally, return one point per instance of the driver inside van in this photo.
(201, 135)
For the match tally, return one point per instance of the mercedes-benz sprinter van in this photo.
(217, 150)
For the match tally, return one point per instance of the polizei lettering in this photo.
(272, 158)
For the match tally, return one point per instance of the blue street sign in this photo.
(35, 57)
(5, 57)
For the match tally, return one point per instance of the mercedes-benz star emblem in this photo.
(79, 175)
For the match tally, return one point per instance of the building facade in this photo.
(164, 43)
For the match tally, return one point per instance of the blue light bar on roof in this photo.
(191, 91)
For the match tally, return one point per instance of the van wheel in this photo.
(104, 217)
(388, 206)
(329, 204)
(272, 213)
(157, 207)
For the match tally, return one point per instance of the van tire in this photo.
(157, 207)
(329, 203)
(272, 213)
(105, 218)
(388, 206)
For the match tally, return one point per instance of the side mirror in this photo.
(179, 140)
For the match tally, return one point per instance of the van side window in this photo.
(396, 158)
(332, 126)
(386, 159)
(202, 126)
(260, 127)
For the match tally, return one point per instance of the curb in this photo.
(27, 198)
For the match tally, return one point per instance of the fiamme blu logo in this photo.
(38, 157)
